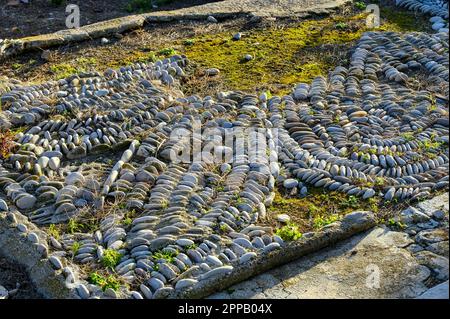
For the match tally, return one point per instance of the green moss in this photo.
(284, 56)
(64, 70)
(167, 52)
(320, 206)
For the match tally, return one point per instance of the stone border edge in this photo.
(11, 47)
(352, 224)
(31, 252)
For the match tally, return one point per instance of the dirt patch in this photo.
(41, 16)
(13, 277)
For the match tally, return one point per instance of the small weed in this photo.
(73, 226)
(380, 181)
(75, 248)
(408, 136)
(167, 52)
(164, 204)
(429, 145)
(193, 246)
(360, 5)
(239, 200)
(104, 282)
(289, 232)
(127, 221)
(341, 26)
(396, 224)
(53, 231)
(223, 228)
(374, 204)
(110, 258)
(189, 42)
(365, 157)
(166, 255)
(432, 108)
(336, 119)
(128, 218)
(313, 209)
(352, 202)
(17, 66)
(322, 221)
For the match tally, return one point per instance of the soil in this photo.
(13, 277)
(41, 17)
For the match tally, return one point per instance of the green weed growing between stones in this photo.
(110, 258)
(75, 248)
(104, 282)
(322, 221)
(289, 232)
(53, 231)
(360, 5)
(166, 255)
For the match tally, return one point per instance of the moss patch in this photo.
(283, 56)
(320, 207)
(64, 70)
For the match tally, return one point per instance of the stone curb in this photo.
(352, 224)
(16, 245)
(10, 47)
